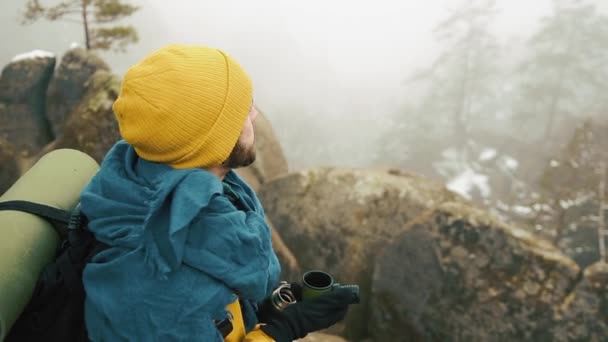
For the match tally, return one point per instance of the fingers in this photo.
(338, 297)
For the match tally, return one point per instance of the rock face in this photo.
(9, 172)
(340, 220)
(68, 87)
(270, 161)
(584, 314)
(290, 267)
(430, 266)
(23, 87)
(91, 126)
(321, 337)
(458, 274)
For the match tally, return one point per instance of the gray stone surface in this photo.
(458, 274)
(69, 85)
(9, 170)
(339, 220)
(91, 126)
(23, 121)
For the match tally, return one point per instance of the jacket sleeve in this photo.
(257, 335)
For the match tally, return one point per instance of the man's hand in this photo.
(303, 317)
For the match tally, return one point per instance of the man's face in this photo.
(243, 153)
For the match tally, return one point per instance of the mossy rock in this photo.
(92, 127)
(69, 85)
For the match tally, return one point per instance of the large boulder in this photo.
(91, 126)
(339, 220)
(321, 337)
(458, 274)
(270, 161)
(583, 315)
(23, 86)
(69, 85)
(289, 263)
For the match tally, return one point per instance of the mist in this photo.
(325, 73)
(502, 102)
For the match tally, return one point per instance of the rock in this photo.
(270, 160)
(290, 267)
(270, 163)
(584, 314)
(338, 220)
(321, 337)
(458, 274)
(68, 87)
(9, 172)
(23, 86)
(250, 176)
(23, 78)
(91, 127)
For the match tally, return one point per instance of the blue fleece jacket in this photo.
(181, 251)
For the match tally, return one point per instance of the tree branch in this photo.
(116, 38)
(111, 10)
(33, 12)
(70, 20)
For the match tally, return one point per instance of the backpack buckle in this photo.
(225, 326)
(77, 220)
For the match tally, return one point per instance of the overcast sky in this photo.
(319, 52)
(323, 59)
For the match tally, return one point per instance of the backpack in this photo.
(55, 311)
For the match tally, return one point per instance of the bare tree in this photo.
(602, 229)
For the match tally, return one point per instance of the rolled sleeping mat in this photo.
(28, 242)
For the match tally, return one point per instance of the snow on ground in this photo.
(33, 55)
(521, 210)
(565, 204)
(511, 163)
(487, 154)
(468, 181)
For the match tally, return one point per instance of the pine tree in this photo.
(461, 78)
(567, 211)
(95, 17)
(602, 227)
(565, 73)
(458, 89)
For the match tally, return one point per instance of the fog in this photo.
(326, 73)
(492, 98)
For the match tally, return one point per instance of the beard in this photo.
(241, 156)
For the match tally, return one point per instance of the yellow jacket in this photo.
(238, 333)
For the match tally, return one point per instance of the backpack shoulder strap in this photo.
(58, 217)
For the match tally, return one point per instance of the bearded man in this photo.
(190, 255)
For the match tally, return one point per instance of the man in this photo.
(191, 257)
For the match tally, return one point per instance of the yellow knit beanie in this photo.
(184, 106)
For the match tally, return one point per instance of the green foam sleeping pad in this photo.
(27, 242)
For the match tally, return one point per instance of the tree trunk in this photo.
(460, 126)
(85, 21)
(602, 229)
(557, 95)
(551, 120)
(554, 106)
